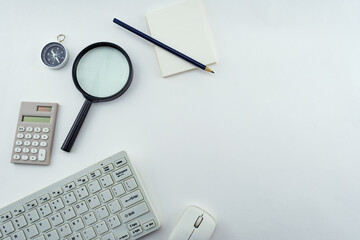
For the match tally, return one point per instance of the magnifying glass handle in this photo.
(70, 139)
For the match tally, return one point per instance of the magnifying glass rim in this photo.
(111, 97)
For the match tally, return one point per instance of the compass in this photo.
(54, 55)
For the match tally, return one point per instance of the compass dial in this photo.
(54, 55)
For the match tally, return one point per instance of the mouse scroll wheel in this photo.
(198, 221)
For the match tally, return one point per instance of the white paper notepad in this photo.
(184, 27)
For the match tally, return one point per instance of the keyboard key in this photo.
(18, 210)
(40, 238)
(80, 207)
(105, 196)
(101, 227)
(31, 204)
(89, 218)
(7, 228)
(44, 198)
(122, 173)
(6, 216)
(131, 198)
(130, 184)
(64, 230)
(56, 219)
(57, 191)
(43, 225)
(69, 186)
(52, 235)
(123, 236)
(133, 224)
(77, 224)
(114, 206)
(93, 201)
(135, 231)
(19, 235)
(32, 216)
(113, 221)
(81, 192)
(148, 225)
(102, 212)
(82, 180)
(106, 181)
(118, 190)
(68, 213)
(69, 198)
(45, 210)
(108, 236)
(76, 236)
(120, 162)
(57, 204)
(94, 186)
(95, 174)
(31, 231)
(20, 222)
(89, 233)
(134, 212)
(107, 168)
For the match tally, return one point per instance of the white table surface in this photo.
(269, 144)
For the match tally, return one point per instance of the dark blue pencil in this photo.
(160, 44)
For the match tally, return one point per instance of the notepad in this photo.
(184, 27)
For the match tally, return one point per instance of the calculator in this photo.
(34, 133)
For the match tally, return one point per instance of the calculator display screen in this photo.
(36, 119)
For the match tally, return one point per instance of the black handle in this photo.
(70, 139)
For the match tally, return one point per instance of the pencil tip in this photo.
(208, 69)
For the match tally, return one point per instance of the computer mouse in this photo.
(194, 224)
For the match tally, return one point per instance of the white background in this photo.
(269, 144)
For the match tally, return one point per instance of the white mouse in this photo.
(194, 224)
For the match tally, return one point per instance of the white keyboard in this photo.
(104, 201)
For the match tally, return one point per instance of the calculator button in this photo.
(33, 158)
(37, 129)
(36, 136)
(43, 144)
(16, 157)
(29, 129)
(18, 142)
(21, 129)
(26, 150)
(28, 136)
(17, 150)
(33, 150)
(24, 157)
(20, 135)
(35, 143)
(42, 153)
(45, 130)
(27, 143)
(44, 137)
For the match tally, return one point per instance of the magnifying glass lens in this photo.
(102, 71)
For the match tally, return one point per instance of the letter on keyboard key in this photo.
(81, 207)
(77, 236)
(56, 219)
(102, 212)
(113, 221)
(68, 213)
(106, 180)
(45, 210)
(43, 225)
(94, 186)
(89, 218)
(69, 198)
(134, 212)
(77, 224)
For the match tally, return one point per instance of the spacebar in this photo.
(134, 212)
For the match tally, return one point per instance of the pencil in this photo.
(162, 45)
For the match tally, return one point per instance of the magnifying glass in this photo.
(101, 72)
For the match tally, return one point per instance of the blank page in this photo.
(184, 27)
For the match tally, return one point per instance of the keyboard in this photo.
(105, 201)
